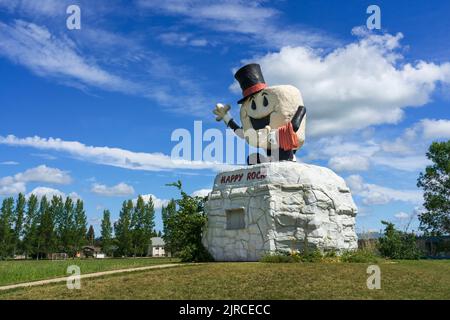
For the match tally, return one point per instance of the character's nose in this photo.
(253, 105)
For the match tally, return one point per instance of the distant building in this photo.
(156, 249)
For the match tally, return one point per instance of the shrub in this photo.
(396, 244)
(278, 258)
(359, 256)
(184, 227)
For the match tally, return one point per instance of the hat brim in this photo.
(241, 101)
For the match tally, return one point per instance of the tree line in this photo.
(36, 227)
(132, 231)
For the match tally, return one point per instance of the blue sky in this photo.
(89, 113)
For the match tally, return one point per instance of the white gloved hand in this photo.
(221, 111)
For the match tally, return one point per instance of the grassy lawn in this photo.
(400, 280)
(12, 272)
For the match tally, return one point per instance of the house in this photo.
(157, 248)
(92, 251)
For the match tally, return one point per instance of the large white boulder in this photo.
(278, 206)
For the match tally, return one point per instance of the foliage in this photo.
(122, 229)
(435, 182)
(6, 228)
(106, 233)
(184, 228)
(359, 256)
(278, 257)
(396, 244)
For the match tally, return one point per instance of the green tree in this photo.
(46, 230)
(167, 212)
(185, 227)
(90, 236)
(148, 225)
(31, 226)
(395, 244)
(6, 228)
(122, 229)
(106, 233)
(18, 223)
(137, 226)
(435, 182)
(62, 213)
(80, 226)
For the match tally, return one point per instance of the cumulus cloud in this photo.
(201, 193)
(362, 84)
(111, 156)
(11, 185)
(435, 129)
(401, 215)
(349, 163)
(121, 189)
(45, 174)
(50, 192)
(157, 203)
(373, 194)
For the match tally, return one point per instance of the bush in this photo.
(184, 227)
(286, 257)
(396, 244)
(278, 258)
(359, 256)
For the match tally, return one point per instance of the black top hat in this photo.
(251, 80)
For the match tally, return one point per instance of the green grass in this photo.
(12, 272)
(421, 279)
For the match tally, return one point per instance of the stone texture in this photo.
(286, 205)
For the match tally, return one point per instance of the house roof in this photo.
(157, 241)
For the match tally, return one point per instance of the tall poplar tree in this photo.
(6, 228)
(122, 229)
(31, 226)
(46, 229)
(80, 225)
(18, 223)
(106, 232)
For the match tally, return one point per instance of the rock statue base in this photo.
(278, 206)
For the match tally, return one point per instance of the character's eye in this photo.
(253, 105)
(265, 102)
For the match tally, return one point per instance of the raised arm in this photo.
(221, 111)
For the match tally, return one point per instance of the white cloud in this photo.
(12, 185)
(9, 163)
(45, 54)
(201, 193)
(362, 84)
(401, 215)
(111, 156)
(435, 129)
(252, 19)
(373, 194)
(50, 192)
(158, 203)
(349, 163)
(44, 174)
(182, 39)
(121, 189)
(33, 7)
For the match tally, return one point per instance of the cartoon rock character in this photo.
(273, 117)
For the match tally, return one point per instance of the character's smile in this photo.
(260, 123)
